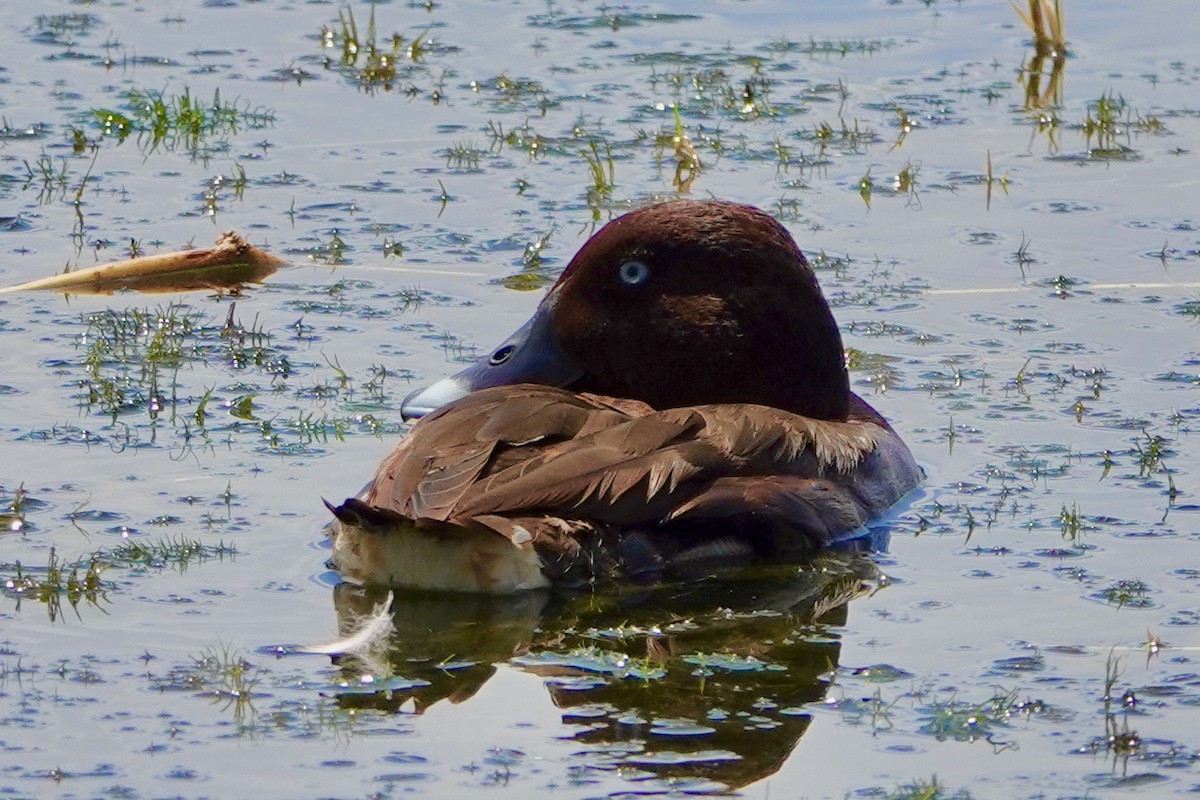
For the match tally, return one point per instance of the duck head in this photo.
(682, 303)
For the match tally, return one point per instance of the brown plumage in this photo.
(708, 416)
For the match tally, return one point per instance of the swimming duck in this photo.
(679, 398)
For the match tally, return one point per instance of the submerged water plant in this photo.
(602, 175)
(371, 61)
(12, 512)
(687, 161)
(222, 674)
(80, 581)
(179, 122)
(138, 368)
(1119, 740)
(966, 722)
(931, 789)
(73, 581)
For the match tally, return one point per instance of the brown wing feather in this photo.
(596, 483)
(595, 475)
(441, 460)
(449, 474)
(530, 450)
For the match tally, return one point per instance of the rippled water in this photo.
(1031, 630)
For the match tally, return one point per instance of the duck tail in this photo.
(361, 515)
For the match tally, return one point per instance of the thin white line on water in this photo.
(420, 270)
(1087, 287)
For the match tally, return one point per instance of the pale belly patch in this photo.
(404, 556)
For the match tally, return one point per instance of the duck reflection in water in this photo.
(707, 679)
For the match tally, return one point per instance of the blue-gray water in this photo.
(1035, 344)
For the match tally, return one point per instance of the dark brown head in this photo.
(682, 303)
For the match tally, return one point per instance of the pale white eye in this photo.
(633, 273)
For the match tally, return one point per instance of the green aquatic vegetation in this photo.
(1070, 523)
(1047, 123)
(784, 159)
(1118, 739)
(463, 156)
(332, 252)
(125, 353)
(310, 429)
(1189, 308)
(851, 137)
(220, 185)
(687, 161)
(233, 676)
(602, 174)
(904, 126)
(607, 17)
(201, 412)
(1148, 124)
(8, 131)
(597, 661)
(533, 274)
(178, 552)
(392, 248)
(1105, 125)
(707, 663)
(927, 790)
(342, 380)
(787, 209)
(504, 93)
(706, 90)
(905, 181)
(1127, 594)
(967, 722)
(378, 65)
(221, 674)
(991, 180)
(865, 187)
(878, 370)
(1149, 453)
(374, 385)
(12, 511)
(140, 362)
(532, 257)
(369, 60)
(77, 581)
(179, 122)
(80, 581)
(1021, 255)
(520, 137)
(683, 154)
(455, 347)
(1107, 128)
(752, 98)
(52, 180)
(822, 260)
(70, 23)
(443, 197)
(828, 48)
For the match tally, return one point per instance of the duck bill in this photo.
(531, 355)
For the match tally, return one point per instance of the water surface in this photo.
(1035, 343)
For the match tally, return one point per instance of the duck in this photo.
(679, 400)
